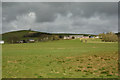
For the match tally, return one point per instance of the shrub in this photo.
(109, 37)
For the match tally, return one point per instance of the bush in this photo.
(109, 37)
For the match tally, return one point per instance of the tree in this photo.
(13, 39)
(61, 36)
(73, 37)
(109, 37)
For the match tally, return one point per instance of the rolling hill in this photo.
(21, 35)
(29, 34)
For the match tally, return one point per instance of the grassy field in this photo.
(61, 59)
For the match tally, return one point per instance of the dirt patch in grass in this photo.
(91, 65)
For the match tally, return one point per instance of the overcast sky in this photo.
(76, 17)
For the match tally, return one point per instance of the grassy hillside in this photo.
(61, 59)
(20, 35)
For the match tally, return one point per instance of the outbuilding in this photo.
(31, 40)
(2, 42)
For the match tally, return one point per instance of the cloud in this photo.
(24, 21)
(61, 1)
(0, 19)
(61, 16)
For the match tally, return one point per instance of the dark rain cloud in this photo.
(93, 17)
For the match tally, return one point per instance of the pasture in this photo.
(60, 59)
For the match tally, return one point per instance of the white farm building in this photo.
(73, 36)
(2, 42)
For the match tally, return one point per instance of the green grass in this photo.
(60, 59)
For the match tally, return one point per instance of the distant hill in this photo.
(20, 35)
(16, 33)
(29, 34)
